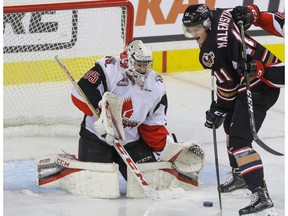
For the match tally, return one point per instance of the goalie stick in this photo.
(250, 101)
(109, 122)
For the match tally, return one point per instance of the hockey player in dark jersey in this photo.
(272, 23)
(220, 45)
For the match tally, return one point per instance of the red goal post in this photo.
(36, 90)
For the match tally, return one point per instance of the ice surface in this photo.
(189, 98)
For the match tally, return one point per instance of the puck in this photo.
(208, 204)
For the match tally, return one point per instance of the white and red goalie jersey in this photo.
(143, 111)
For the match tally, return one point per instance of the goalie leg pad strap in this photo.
(81, 178)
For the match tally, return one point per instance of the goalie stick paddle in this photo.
(151, 193)
(250, 101)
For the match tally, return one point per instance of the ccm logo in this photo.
(62, 162)
(131, 164)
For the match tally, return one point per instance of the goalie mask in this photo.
(195, 15)
(140, 62)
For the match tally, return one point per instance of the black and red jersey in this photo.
(221, 52)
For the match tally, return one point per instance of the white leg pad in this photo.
(99, 180)
(162, 177)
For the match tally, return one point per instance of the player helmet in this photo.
(140, 62)
(197, 14)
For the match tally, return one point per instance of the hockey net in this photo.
(36, 90)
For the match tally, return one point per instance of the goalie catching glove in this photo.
(186, 157)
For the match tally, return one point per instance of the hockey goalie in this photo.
(137, 101)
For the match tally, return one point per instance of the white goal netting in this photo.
(36, 90)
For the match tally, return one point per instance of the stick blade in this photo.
(267, 148)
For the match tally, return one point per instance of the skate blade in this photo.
(270, 212)
(266, 212)
(240, 193)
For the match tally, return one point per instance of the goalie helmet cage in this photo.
(35, 89)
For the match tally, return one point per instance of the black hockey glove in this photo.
(215, 116)
(242, 13)
(248, 14)
(252, 67)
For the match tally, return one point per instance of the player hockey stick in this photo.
(216, 151)
(110, 122)
(250, 101)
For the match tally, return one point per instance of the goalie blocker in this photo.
(101, 180)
